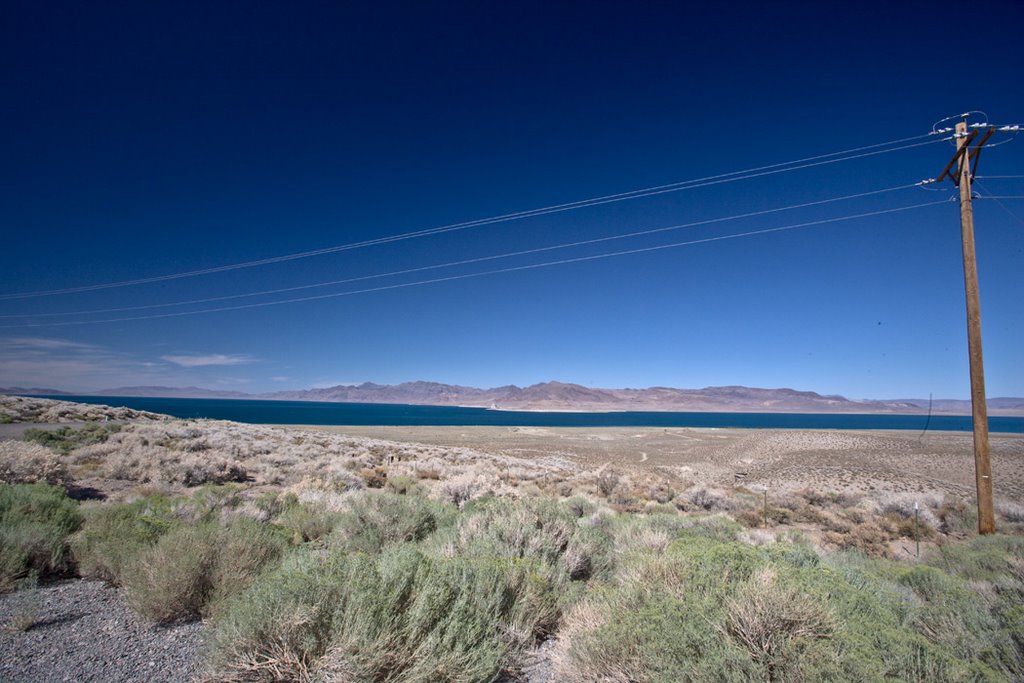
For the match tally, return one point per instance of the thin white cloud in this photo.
(209, 359)
(280, 378)
(81, 367)
(63, 364)
(42, 344)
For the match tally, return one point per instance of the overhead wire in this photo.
(771, 169)
(998, 201)
(509, 269)
(638, 233)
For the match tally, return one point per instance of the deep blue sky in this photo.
(141, 139)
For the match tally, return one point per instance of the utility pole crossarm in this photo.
(962, 144)
(977, 151)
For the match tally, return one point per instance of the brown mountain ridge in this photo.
(555, 396)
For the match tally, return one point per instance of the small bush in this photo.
(868, 538)
(375, 478)
(374, 521)
(769, 620)
(704, 499)
(244, 550)
(196, 471)
(171, 581)
(1011, 512)
(715, 527)
(607, 482)
(114, 534)
(717, 610)
(191, 571)
(589, 554)
(66, 439)
(431, 473)
(580, 506)
(307, 521)
(657, 622)
(206, 503)
(661, 492)
(280, 627)
(529, 528)
(405, 486)
(462, 489)
(398, 616)
(956, 517)
(35, 522)
(27, 463)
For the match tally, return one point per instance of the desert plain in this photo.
(852, 461)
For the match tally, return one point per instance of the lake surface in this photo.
(385, 414)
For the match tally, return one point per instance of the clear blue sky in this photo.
(142, 139)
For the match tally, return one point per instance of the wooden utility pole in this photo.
(961, 162)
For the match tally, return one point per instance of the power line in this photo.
(993, 177)
(524, 252)
(510, 269)
(783, 167)
(1002, 206)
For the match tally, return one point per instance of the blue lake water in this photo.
(380, 414)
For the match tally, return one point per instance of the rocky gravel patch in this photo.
(84, 631)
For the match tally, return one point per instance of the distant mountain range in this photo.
(34, 391)
(562, 396)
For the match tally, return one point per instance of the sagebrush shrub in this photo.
(718, 610)
(22, 462)
(308, 521)
(35, 522)
(401, 615)
(114, 534)
(769, 619)
(376, 520)
(172, 580)
(534, 528)
(65, 439)
(190, 571)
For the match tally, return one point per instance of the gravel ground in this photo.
(85, 632)
(539, 668)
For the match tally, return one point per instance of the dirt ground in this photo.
(871, 462)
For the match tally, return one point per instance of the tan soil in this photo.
(855, 461)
